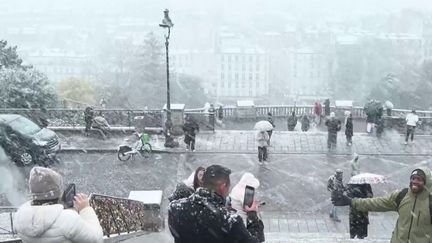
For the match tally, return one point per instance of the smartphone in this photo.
(68, 196)
(249, 196)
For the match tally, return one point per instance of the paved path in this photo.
(293, 227)
(234, 141)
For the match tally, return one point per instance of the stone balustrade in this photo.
(153, 118)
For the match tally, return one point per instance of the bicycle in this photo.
(142, 147)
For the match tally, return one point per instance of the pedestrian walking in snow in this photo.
(334, 185)
(379, 127)
(349, 130)
(411, 122)
(355, 165)
(187, 187)
(212, 116)
(88, 119)
(190, 128)
(305, 123)
(333, 126)
(358, 220)
(292, 121)
(220, 113)
(270, 119)
(327, 107)
(318, 112)
(412, 204)
(203, 217)
(262, 138)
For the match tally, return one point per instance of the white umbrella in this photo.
(263, 126)
(367, 178)
(388, 104)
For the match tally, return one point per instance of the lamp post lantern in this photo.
(169, 141)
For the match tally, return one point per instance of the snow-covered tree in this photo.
(9, 57)
(21, 88)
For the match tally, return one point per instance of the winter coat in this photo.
(414, 222)
(333, 125)
(349, 129)
(327, 107)
(318, 109)
(203, 217)
(88, 114)
(334, 184)
(412, 119)
(262, 139)
(355, 167)
(53, 224)
(190, 128)
(270, 119)
(237, 197)
(359, 220)
(101, 123)
(183, 189)
(292, 122)
(305, 123)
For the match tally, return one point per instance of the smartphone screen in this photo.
(68, 196)
(249, 196)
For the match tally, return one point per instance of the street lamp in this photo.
(169, 141)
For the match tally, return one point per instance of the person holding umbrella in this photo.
(358, 220)
(263, 139)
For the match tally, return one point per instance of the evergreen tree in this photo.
(22, 86)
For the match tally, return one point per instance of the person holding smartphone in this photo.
(203, 217)
(242, 198)
(45, 218)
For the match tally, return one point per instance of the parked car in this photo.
(25, 142)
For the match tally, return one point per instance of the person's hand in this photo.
(340, 199)
(252, 208)
(81, 201)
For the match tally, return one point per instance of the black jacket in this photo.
(190, 128)
(181, 191)
(333, 125)
(349, 130)
(203, 218)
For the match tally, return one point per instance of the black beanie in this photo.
(420, 173)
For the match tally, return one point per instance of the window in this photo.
(243, 67)
(229, 84)
(256, 76)
(257, 84)
(236, 84)
(222, 76)
(236, 76)
(222, 58)
(243, 85)
(222, 67)
(250, 76)
(250, 58)
(229, 58)
(257, 67)
(222, 84)
(236, 58)
(243, 76)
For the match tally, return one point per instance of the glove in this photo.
(340, 199)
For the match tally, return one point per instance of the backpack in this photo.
(402, 194)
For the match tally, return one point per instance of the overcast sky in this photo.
(241, 7)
